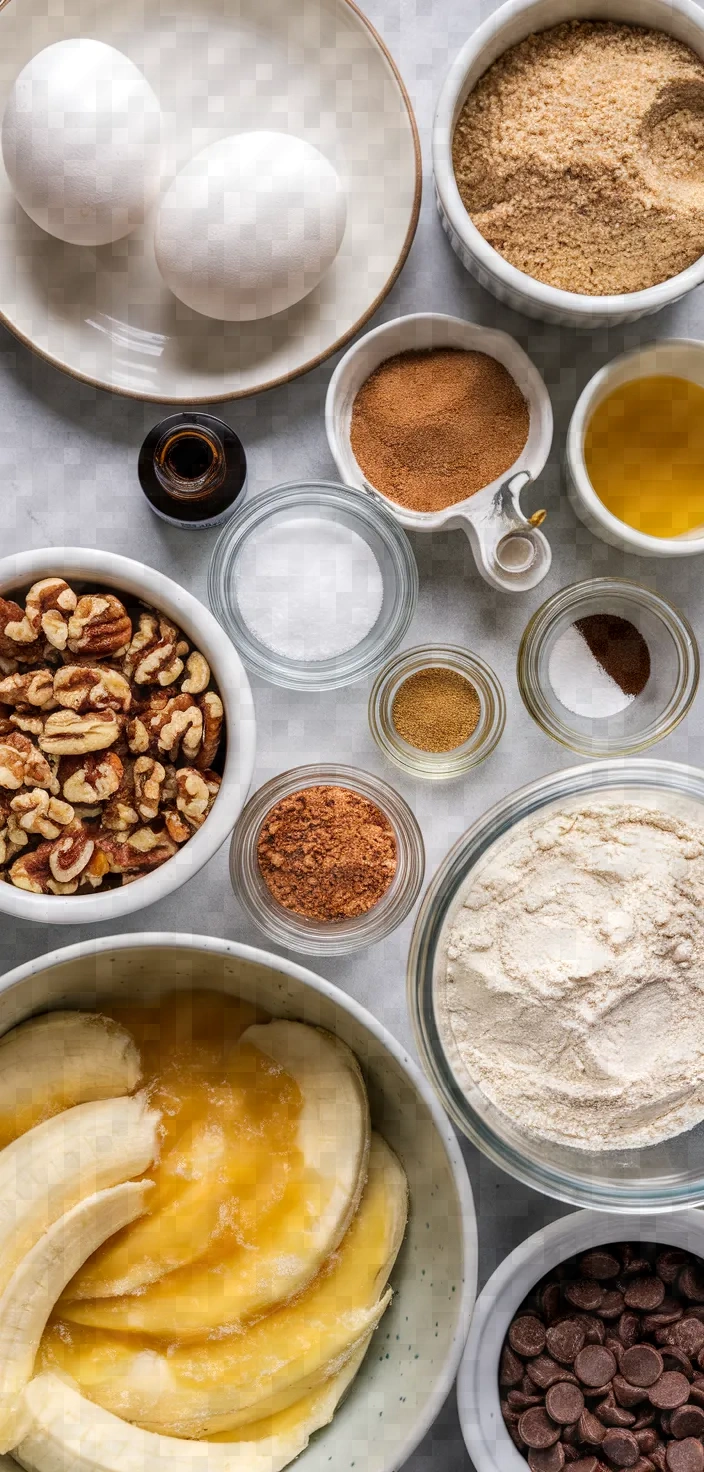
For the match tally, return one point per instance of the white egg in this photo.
(250, 226)
(81, 142)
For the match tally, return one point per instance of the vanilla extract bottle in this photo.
(193, 470)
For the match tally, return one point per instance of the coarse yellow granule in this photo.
(436, 709)
(580, 157)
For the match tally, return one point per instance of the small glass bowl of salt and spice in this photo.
(608, 667)
(326, 859)
(437, 711)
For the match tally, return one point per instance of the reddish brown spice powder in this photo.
(327, 853)
(431, 428)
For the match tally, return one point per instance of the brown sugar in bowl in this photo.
(485, 515)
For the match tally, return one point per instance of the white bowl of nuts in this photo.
(127, 735)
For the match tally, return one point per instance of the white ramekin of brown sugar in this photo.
(509, 25)
(510, 552)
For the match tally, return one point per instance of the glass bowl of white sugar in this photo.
(556, 984)
(608, 667)
(315, 584)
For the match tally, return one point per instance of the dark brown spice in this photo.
(619, 648)
(431, 428)
(436, 709)
(327, 853)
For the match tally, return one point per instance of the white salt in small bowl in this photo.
(347, 602)
(607, 731)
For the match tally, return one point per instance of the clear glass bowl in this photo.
(657, 1178)
(311, 936)
(437, 764)
(667, 696)
(390, 546)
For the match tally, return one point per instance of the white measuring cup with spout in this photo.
(510, 552)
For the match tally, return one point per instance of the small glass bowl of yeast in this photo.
(479, 743)
(580, 702)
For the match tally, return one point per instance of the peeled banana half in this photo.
(68, 1433)
(60, 1059)
(36, 1284)
(294, 1350)
(333, 1147)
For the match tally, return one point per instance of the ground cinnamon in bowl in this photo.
(327, 853)
(431, 428)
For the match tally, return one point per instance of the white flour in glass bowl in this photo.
(573, 992)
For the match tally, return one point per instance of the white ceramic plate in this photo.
(315, 68)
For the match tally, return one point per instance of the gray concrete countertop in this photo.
(68, 475)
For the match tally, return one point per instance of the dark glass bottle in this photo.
(193, 470)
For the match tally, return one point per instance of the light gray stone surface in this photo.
(68, 475)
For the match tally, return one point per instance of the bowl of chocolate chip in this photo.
(127, 736)
(586, 1350)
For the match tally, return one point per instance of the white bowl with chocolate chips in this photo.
(127, 736)
(616, 1298)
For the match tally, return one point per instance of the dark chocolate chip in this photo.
(510, 1369)
(611, 1306)
(687, 1335)
(612, 1415)
(544, 1372)
(590, 1429)
(647, 1440)
(668, 1313)
(547, 1459)
(551, 1301)
(696, 1394)
(646, 1417)
(646, 1292)
(636, 1264)
(687, 1421)
(564, 1403)
(621, 1448)
(676, 1359)
(658, 1458)
(536, 1428)
(628, 1329)
(691, 1282)
(626, 1394)
(520, 1402)
(670, 1391)
(587, 1464)
(669, 1263)
(564, 1340)
(594, 1329)
(595, 1365)
(527, 1336)
(584, 1293)
(685, 1456)
(593, 1392)
(599, 1265)
(641, 1365)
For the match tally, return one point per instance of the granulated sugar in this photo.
(309, 588)
(580, 157)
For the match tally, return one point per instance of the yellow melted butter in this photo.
(228, 1156)
(276, 1364)
(644, 455)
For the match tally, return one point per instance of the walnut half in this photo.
(66, 733)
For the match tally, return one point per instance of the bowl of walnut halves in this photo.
(127, 735)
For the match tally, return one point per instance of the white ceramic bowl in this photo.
(413, 1360)
(485, 1434)
(676, 357)
(125, 575)
(506, 27)
(492, 513)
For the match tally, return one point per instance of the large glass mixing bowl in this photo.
(655, 1178)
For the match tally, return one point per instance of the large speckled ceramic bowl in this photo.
(414, 1356)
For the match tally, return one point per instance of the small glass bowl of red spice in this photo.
(437, 711)
(326, 859)
(608, 667)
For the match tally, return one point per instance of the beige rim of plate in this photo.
(315, 68)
